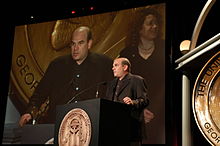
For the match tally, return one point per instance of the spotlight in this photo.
(73, 12)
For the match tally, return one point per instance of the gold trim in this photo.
(201, 100)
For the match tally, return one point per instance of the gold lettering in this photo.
(21, 60)
(34, 85)
(201, 87)
(218, 61)
(29, 78)
(210, 130)
(213, 67)
(212, 133)
(209, 72)
(24, 70)
(207, 125)
(217, 139)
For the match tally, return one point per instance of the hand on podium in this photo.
(24, 119)
(127, 100)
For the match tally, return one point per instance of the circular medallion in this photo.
(75, 129)
(206, 100)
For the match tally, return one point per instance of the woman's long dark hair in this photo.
(133, 38)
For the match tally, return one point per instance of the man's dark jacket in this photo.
(132, 86)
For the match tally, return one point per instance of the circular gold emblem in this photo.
(206, 100)
(75, 129)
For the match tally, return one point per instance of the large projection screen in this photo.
(36, 45)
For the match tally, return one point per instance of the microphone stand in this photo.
(86, 89)
(97, 92)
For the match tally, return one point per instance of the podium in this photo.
(109, 123)
(37, 134)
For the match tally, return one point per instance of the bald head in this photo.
(125, 61)
(121, 67)
(84, 29)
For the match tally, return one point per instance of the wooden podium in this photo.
(110, 122)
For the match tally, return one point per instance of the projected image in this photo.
(68, 60)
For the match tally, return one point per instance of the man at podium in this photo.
(68, 76)
(129, 89)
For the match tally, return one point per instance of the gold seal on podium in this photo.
(206, 100)
(75, 129)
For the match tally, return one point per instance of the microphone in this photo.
(114, 86)
(97, 90)
(86, 89)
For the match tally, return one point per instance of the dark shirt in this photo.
(119, 83)
(64, 79)
(134, 87)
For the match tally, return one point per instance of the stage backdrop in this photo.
(36, 45)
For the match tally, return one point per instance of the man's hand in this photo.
(128, 100)
(24, 119)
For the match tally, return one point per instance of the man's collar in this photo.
(125, 76)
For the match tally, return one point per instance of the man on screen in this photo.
(68, 76)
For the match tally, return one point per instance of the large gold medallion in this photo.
(75, 129)
(206, 100)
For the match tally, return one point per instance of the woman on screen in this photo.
(145, 48)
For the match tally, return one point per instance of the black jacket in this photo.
(132, 86)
